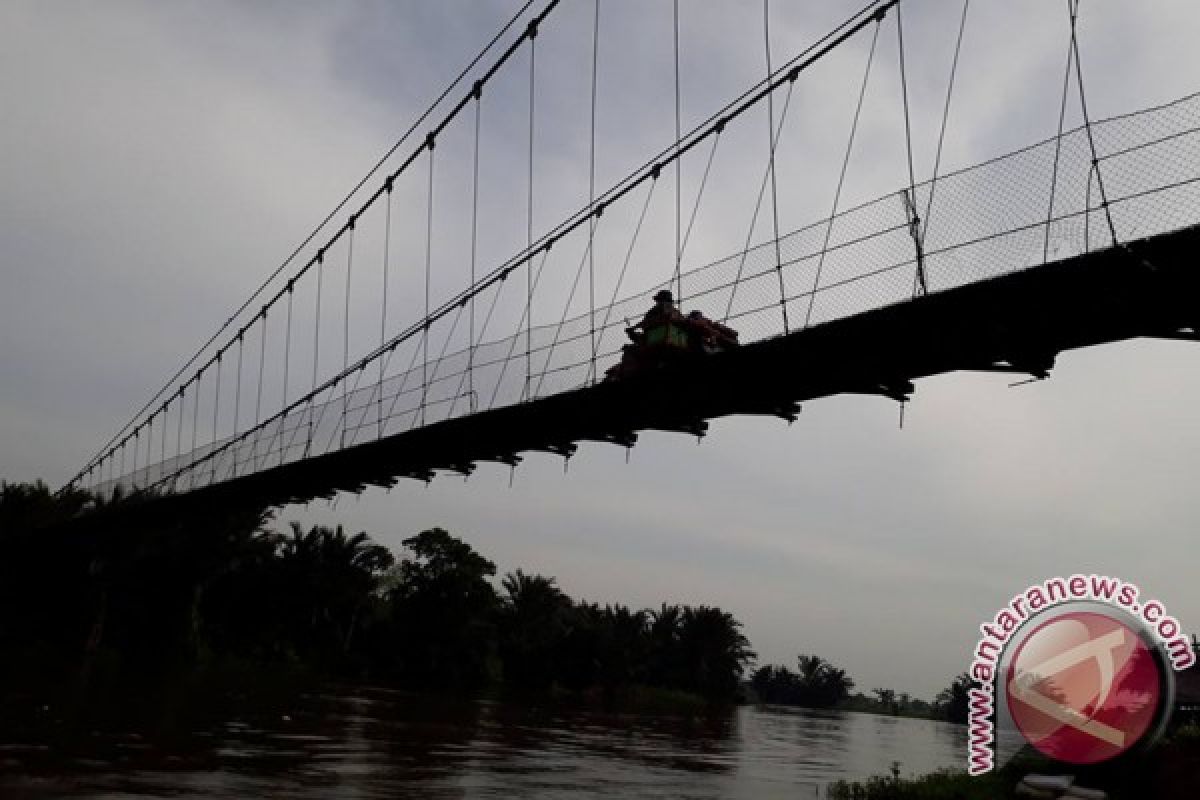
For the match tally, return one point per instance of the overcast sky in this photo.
(160, 159)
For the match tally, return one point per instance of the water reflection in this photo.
(374, 743)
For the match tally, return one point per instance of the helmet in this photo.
(664, 296)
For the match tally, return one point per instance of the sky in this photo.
(160, 160)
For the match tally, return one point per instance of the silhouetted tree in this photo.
(326, 577)
(606, 647)
(775, 684)
(535, 617)
(666, 667)
(78, 590)
(953, 701)
(716, 653)
(109, 595)
(624, 646)
(826, 684)
(815, 684)
(438, 624)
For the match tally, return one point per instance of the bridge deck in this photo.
(1017, 322)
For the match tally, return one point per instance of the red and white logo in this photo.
(1084, 687)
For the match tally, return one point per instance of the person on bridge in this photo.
(664, 310)
(657, 322)
(709, 336)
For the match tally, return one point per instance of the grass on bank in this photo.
(1169, 769)
(945, 784)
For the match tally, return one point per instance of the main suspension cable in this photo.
(873, 11)
(341, 205)
(324, 222)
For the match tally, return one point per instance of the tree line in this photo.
(816, 683)
(109, 603)
(115, 604)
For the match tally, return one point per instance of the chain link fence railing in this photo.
(1030, 207)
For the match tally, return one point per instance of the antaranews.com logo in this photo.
(1079, 667)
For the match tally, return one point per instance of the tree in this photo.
(124, 591)
(624, 646)
(715, 652)
(51, 600)
(321, 578)
(116, 599)
(666, 666)
(534, 621)
(887, 699)
(775, 684)
(439, 558)
(815, 684)
(25, 507)
(438, 626)
(606, 647)
(953, 701)
(823, 684)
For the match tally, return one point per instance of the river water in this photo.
(374, 744)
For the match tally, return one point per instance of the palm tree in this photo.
(774, 684)
(329, 576)
(821, 684)
(29, 506)
(665, 668)
(813, 669)
(715, 651)
(624, 646)
(585, 640)
(534, 623)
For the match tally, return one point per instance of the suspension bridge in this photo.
(1084, 238)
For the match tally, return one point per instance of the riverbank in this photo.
(1170, 769)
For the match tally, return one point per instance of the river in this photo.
(360, 743)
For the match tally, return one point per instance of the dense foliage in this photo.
(816, 683)
(111, 604)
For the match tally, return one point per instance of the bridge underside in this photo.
(1014, 323)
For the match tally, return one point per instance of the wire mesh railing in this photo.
(1036, 205)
